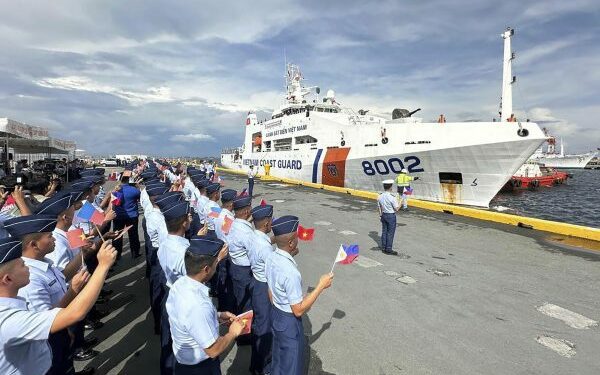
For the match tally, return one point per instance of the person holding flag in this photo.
(261, 250)
(289, 304)
(403, 185)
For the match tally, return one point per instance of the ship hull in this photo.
(468, 175)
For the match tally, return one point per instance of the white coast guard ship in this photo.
(320, 141)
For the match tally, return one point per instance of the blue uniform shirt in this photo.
(188, 188)
(284, 280)
(24, 347)
(241, 236)
(193, 319)
(258, 253)
(47, 285)
(387, 202)
(129, 205)
(156, 226)
(170, 256)
(145, 200)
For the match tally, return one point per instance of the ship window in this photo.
(451, 178)
(283, 144)
(305, 139)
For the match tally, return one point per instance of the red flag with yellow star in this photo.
(305, 234)
(76, 238)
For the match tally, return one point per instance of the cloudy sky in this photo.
(178, 77)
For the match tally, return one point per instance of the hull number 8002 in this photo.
(393, 165)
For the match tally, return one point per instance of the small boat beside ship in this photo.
(533, 175)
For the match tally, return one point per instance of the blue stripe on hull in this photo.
(316, 165)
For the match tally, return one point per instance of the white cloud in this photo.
(192, 137)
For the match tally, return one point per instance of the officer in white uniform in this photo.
(192, 315)
(262, 339)
(285, 288)
(388, 205)
(170, 256)
(240, 238)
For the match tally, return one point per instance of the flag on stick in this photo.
(227, 221)
(306, 234)
(263, 202)
(214, 212)
(346, 255)
(247, 319)
(76, 238)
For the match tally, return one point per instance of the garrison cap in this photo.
(241, 202)
(174, 211)
(156, 190)
(261, 212)
(10, 249)
(92, 172)
(20, 226)
(168, 198)
(58, 203)
(201, 183)
(205, 245)
(81, 184)
(95, 179)
(285, 224)
(212, 188)
(227, 195)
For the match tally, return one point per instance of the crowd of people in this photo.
(220, 271)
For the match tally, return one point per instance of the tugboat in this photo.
(532, 175)
(314, 139)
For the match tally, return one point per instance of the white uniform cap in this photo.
(388, 182)
(403, 170)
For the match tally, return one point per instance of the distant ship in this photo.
(553, 159)
(320, 141)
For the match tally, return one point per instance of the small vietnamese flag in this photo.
(305, 234)
(263, 202)
(247, 319)
(97, 218)
(227, 224)
(76, 238)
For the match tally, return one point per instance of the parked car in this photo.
(108, 162)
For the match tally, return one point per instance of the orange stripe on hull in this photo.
(334, 166)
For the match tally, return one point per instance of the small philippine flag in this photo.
(347, 254)
(214, 212)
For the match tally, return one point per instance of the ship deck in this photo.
(464, 297)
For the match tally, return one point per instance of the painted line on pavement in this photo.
(562, 347)
(365, 262)
(572, 319)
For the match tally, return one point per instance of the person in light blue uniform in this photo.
(258, 253)
(155, 232)
(24, 333)
(47, 288)
(198, 201)
(193, 318)
(213, 192)
(285, 289)
(387, 205)
(224, 286)
(241, 237)
(170, 256)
